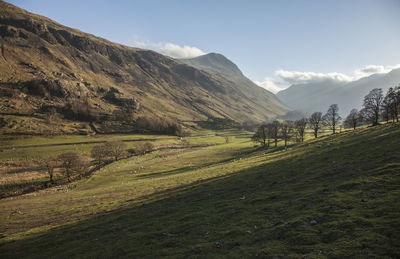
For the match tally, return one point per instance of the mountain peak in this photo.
(216, 63)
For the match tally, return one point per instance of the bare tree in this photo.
(71, 164)
(100, 153)
(227, 139)
(49, 164)
(116, 149)
(269, 130)
(300, 127)
(275, 131)
(332, 117)
(372, 106)
(286, 130)
(386, 109)
(396, 103)
(260, 136)
(391, 103)
(352, 119)
(315, 122)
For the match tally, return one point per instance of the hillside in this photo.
(45, 66)
(334, 197)
(218, 64)
(317, 96)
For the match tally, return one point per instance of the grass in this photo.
(67, 139)
(20, 174)
(335, 197)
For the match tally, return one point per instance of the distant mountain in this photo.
(318, 96)
(45, 65)
(218, 64)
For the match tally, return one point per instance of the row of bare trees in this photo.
(375, 107)
(289, 130)
(270, 133)
(73, 165)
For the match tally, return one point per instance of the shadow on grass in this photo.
(280, 209)
(244, 152)
(182, 169)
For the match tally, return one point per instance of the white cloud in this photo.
(296, 77)
(374, 69)
(272, 85)
(171, 49)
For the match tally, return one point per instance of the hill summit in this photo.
(215, 62)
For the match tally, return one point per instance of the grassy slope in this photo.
(258, 206)
(19, 174)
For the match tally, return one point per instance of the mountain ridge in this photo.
(48, 63)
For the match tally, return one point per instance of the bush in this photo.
(144, 148)
(79, 109)
(159, 125)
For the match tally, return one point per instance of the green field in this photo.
(19, 173)
(334, 197)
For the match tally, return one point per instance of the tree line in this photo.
(376, 107)
(73, 165)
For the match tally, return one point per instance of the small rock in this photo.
(313, 222)
(303, 226)
(219, 245)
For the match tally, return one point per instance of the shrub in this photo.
(144, 148)
(159, 125)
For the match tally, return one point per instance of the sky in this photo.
(274, 43)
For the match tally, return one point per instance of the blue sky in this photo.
(272, 42)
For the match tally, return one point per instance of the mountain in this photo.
(45, 66)
(317, 96)
(218, 64)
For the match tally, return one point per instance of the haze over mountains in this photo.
(44, 64)
(317, 96)
(218, 64)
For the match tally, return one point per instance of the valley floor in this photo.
(336, 197)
